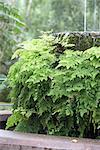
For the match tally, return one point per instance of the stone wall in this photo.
(81, 40)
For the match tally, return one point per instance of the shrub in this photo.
(55, 90)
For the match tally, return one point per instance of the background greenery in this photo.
(11, 26)
(59, 15)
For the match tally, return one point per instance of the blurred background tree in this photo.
(59, 15)
(10, 34)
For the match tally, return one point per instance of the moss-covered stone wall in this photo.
(82, 40)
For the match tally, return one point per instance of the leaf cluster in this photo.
(55, 94)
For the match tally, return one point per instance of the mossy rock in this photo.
(82, 40)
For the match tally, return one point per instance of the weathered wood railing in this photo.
(10, 140)
(4, 114)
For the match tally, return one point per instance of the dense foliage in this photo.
(55, 90)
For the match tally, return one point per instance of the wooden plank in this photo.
(6, 106)
(46, 142)
(4, 114)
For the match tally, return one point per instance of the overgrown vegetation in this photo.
(55, 90)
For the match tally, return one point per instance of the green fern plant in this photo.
(55, 94)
